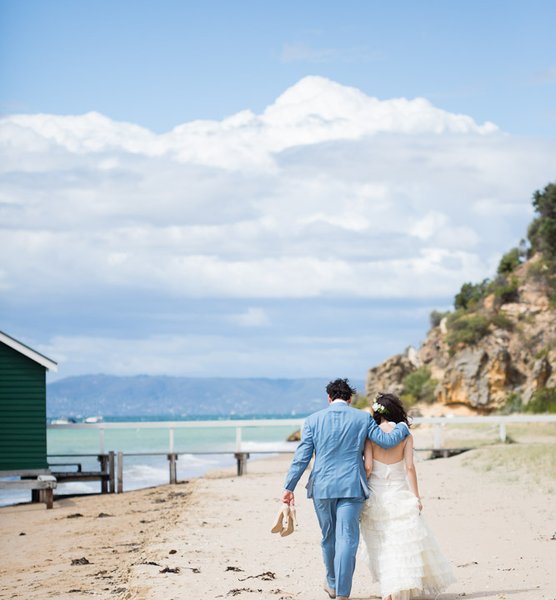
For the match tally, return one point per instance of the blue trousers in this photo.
(339, 523)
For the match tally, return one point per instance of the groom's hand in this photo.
(288, 497)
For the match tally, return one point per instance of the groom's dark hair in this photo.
(340, 389)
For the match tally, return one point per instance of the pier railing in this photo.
(438, 423)
(111, 471)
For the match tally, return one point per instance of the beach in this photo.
(491, 510)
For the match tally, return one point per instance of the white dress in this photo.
(397, 545)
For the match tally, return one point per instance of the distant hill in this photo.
(145, 395)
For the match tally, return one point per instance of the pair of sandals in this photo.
(286, 520)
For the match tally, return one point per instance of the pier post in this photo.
(241, 458)
(171, 439)
(172, 458)
(120, 488)
(502, 432)
(111, 472)
(103, 460)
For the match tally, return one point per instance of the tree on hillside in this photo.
(510, 261)
(470, 295)
(542, 231)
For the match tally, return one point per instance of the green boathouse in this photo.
(22, 407)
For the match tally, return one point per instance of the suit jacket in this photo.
(336, 435)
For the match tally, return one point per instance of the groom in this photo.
(338, 484)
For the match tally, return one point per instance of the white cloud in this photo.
(430, 224)
(312, 111)
(226, 356)
(252, 317)
(328, 192)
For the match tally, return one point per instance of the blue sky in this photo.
(243, 189)
(164, 63)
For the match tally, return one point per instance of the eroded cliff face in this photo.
(518, 358)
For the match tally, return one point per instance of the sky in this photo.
(256, 190)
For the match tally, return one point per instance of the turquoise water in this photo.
(145, 471)
(73, 441)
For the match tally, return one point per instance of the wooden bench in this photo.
(43, 485)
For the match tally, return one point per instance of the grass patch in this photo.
(513, 404)
(523, 463)
(532, 432)
(543, 401)
(467, 435)
(457, 435)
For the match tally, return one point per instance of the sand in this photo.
(491, 510)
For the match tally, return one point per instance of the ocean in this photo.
(147, 471)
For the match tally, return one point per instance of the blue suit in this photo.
(337, 483)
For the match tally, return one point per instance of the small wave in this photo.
(196, 460)
(268, 446)
(10, 497)
(78, 487)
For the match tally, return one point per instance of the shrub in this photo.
(418, 386)
(502, 321)
(513, 404)
(505, 289)
(436, 316)
(510, 261)
(470, 295)
(543, 401)
(466, 329)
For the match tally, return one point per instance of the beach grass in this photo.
(478, 435)
(532, 432)
(523, 463)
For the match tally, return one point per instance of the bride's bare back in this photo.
(403, 451)
(390, 456)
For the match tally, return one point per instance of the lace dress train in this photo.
(397, 545)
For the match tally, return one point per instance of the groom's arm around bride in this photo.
(318, 424)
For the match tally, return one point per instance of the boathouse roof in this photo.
(18, 346)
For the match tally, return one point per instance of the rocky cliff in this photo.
(497, 349)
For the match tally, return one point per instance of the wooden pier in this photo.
(105, 473)
(111, 464)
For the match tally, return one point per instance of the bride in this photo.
(400, 550)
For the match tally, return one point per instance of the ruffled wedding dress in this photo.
(397, 545)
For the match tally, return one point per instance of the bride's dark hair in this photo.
(393, 409)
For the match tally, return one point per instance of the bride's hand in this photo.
(420, 505)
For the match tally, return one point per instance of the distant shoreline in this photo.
(167, 418)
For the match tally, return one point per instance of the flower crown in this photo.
(377, 407)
